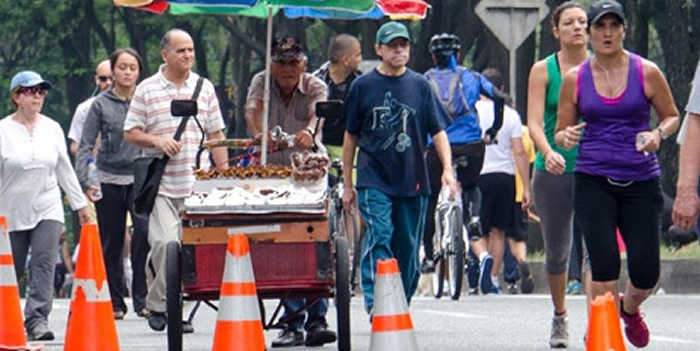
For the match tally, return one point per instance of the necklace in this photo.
(614, 90)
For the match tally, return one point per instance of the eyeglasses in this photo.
(33, 90)
(104, 78)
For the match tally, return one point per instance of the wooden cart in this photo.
(293, 256)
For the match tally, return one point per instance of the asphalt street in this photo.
(489, 323)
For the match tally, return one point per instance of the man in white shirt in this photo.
(497, 179)
(103, 81)
(686, 205)
(150, 125)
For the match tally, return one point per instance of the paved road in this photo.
(489, 323)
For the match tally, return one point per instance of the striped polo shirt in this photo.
(150, 111)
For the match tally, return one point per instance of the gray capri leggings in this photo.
(553, 195)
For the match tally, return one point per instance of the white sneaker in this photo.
(560, 332)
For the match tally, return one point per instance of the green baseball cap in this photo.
(390, 31)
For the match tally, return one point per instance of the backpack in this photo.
(455, 103)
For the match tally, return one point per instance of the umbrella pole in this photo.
(266, 92)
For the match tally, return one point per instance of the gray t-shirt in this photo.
(693, 103)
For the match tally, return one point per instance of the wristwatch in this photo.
(662, 133)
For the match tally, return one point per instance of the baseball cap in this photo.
(287, 47)
(28, 79)
(390, 31)
(602, 8)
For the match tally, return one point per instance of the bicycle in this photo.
(343, 223)
(450, 253)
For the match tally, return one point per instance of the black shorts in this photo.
(519, 229)
(497, 201)
(472, 153)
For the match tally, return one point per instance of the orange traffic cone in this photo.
(91, 321)
(604, 332)
(238, 325)
(392, 328)
(12, 335)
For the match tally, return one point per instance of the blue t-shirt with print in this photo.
(465, 128)
(392, 118)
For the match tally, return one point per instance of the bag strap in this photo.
(183, 122)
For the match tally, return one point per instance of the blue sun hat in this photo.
(27, 79)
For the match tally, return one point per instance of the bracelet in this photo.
(310, 130)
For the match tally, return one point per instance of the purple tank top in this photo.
(607, 146)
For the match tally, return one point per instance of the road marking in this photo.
(675, 340)
(450, 314)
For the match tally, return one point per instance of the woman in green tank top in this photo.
(553, 178)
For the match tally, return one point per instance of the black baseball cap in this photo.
(287, 47)
(602, 8)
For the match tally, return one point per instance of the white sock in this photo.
(482, 255)
(494, 281)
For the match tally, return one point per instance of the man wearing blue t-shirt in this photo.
(390, 113)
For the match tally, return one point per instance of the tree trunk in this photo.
(674, 37)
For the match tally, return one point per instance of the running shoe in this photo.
(559, 338)
(573, 287)
(485, 274)
(635, 328)
(527, 284)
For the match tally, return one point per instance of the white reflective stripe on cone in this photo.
(390, 290)
(89, 287)
(7, 275)
(238, 269)
(5, 248)
(404, 340)
(238, 308)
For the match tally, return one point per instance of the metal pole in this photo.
(266, 91)
(511, 55)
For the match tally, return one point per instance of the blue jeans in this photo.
(394, 228)
(315, 313)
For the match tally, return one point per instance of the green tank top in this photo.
(550, 116)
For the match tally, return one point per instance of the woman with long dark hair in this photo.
(115, 165)
(616, 180)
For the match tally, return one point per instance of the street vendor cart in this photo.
(285, 217)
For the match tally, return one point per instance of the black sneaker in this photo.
(512, 288)
(427, 266)
(187, 328)
(319, 334)
(527, 284)
(288, 338)
(157, 320)
(474, 229)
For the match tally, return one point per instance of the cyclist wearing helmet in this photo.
(458, 89)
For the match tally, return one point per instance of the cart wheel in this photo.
(342, 292)
(173, 295)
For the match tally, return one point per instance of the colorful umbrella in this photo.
(338, 9)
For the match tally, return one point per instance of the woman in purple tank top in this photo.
(616, 179)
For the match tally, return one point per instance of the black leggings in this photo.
(602, 205)
(468, 177)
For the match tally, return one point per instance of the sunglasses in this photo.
(104, 78)
(33, 90)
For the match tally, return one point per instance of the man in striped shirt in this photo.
(150, 125)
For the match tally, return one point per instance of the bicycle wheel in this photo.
(455, 255)
(439, 277)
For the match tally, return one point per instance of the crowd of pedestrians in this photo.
(403, 132)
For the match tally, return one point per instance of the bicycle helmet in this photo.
(444, 44)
